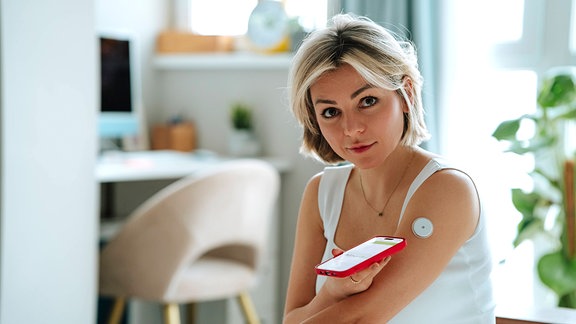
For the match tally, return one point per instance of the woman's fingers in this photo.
(370, 272)
(356, 283)
(337, 252)
(384, 261)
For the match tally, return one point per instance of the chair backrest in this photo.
(228, 205)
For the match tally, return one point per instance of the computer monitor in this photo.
(119, 86)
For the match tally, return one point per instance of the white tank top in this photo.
(462, 294)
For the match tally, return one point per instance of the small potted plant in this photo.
(243, 141)
(241, 116)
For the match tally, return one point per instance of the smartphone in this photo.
(361, 256)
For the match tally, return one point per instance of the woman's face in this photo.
(362, 124)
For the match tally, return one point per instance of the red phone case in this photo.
(364, 264)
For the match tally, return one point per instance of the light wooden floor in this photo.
(533, 316)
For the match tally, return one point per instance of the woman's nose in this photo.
(352, 125)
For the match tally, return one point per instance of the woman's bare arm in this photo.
(302, 301)
(449, 199)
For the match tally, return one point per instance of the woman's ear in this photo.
(408, 90)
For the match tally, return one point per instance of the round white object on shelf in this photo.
(268, 25)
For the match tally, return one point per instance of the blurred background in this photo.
(192, 61)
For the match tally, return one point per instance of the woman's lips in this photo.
(360, 148)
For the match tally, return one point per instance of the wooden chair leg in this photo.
(171, 314)
(191, 313)
(117, 310)
(248, 308)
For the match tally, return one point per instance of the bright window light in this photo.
(480, 97)
(220, 17)
(311, 14)
(507, 22)
(230, 17)
(573, 28)
(494, 21)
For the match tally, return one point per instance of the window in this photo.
(492, 63)
(312, 14)
(573, 29)
(230, 21)
(509, 14)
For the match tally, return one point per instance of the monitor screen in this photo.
(118, 86)
(116, 91)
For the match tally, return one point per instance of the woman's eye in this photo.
(368, 101)
(329, 112)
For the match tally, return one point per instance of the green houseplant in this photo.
(241, 116)
(243, 141)
(551, 199)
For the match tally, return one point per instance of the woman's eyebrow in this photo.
(324, 101)
(359, 91)
(352, 96)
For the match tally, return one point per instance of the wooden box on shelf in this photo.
(179, 137)
(182, 42)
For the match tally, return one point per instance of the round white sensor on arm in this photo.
(422, 227)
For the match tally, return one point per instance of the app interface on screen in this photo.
(360, 253)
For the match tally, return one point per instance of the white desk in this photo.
(117, 166)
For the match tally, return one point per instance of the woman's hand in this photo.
(340, 288)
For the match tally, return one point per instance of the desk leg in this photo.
(190, 313)
(107, 203)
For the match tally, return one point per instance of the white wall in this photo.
(48, 149)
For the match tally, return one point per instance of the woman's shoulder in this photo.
(443, 173)
(440, 177)
(434, 164)
(328, 176)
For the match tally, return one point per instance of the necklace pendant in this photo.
(380, 214)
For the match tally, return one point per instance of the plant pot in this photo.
(243, 143)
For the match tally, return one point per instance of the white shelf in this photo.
(222, 61)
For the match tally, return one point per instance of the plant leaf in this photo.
(568, 300)
(568, 113)
(558, 273)
(507, 130)
(527, 229)
(241, 116)
(556, 91)
(524, 202)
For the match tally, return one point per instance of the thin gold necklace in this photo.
(381, 212)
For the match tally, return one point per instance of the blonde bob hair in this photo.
(382, 59)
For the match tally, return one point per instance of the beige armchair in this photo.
(201, 238)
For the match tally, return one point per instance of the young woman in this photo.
(356, 90)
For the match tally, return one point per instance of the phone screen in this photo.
(361, 256)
